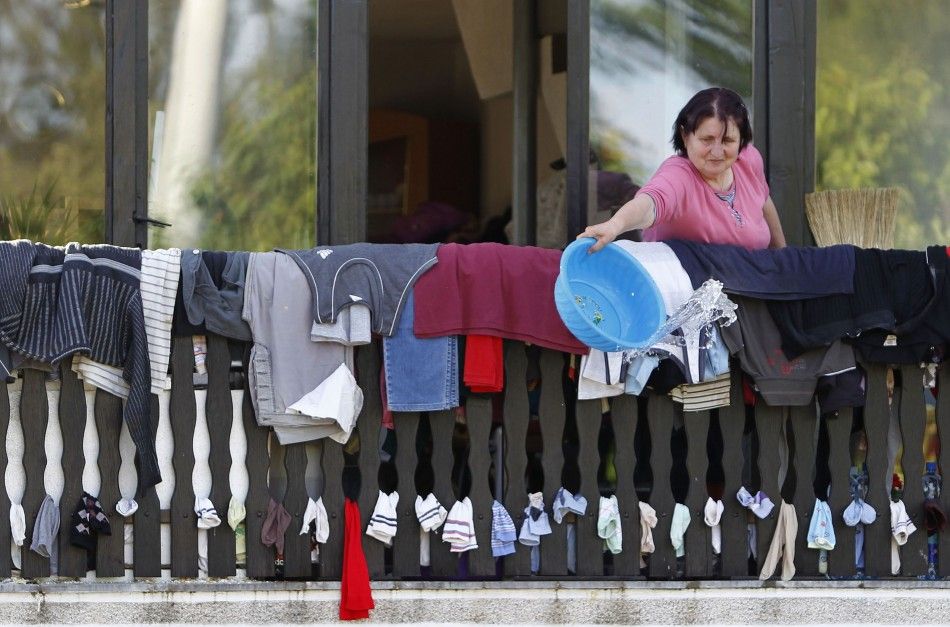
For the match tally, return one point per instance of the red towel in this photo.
(484, 363)
(356, 597)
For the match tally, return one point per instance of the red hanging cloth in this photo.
(356, 598)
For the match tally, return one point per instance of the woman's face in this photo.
(713, 147)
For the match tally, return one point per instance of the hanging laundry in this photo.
(207, 515)
(901, 529)
(236, 513)
(377, 275)
(676, 290)
(893, 290)
(212, 286)
(315, 394)
(844, 389)
(678, 524)
(484, 363)
(790, 273)
(87, 522)
(353, 327)
(459, 528)
(431, 515)
(782, 546)
(602, 375)
(315, 518)
(159, 282)
(648, 522)
(492, 289)
(503, 533)
(421, 374)
(638, 373)
(567, 503)
(126, 507)
(712, 515)
(703, 396)
(356, 596)
(82, 299)
(924, 338)
(934, 517)
(382, 523)
(608, 524)
(536, 523)
(760, 504)
(821, 531)
(274, 526)
(17, 523)
(45, 531)
(781, 381)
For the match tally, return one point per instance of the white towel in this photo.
(430, 512)
(382, 524)
(712, 515)
(459, 527)
(901, 529)
(126, 507)
(207, 515)
(338, 398)
(316, 513)
(600, 375)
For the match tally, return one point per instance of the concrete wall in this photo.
(470, 602)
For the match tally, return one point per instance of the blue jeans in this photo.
(421, 373)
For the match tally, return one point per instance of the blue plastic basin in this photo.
(607, 299)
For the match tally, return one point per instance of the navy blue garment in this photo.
(212, 291)
(16, 259)
(86, 299)
(781, 274)
(892, 289)
(925, 334)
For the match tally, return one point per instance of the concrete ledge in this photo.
(617, 602)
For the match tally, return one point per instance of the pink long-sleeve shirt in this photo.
(688, 208)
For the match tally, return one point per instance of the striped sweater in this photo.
(82, 299)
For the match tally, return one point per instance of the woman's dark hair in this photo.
(715, 102)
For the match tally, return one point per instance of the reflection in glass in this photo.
(232, 110)
(647, 58)
(883, 108)
(52, 121)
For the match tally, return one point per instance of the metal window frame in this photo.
(783, 93)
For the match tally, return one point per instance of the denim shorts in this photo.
(422, 374)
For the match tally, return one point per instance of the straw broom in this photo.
(863, 217)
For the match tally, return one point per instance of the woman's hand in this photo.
(604, 233)
(638, 213)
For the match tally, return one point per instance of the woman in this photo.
(712, 190)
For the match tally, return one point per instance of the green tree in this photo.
(883, 111)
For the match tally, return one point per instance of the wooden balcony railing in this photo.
(62, 439)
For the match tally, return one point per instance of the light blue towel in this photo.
(821, 531)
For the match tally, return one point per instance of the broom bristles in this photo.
(862, 217)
